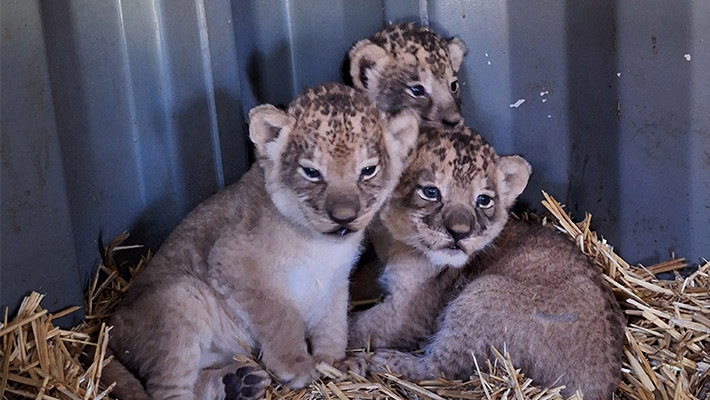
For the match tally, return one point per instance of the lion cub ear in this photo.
(457, 49)
(267, 124)
(513, 175)
(402, 132)
(364, 56)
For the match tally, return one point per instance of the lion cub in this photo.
(527, 289)
(262, 267)
(409, 67)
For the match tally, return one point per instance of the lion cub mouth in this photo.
(341, 232)
(453, 250)
(454, 246)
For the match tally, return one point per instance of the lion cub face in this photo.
(407, 67)
(332, 158)
(454, 196)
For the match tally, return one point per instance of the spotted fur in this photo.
(338, 132)
(462, 167)
(396, 62)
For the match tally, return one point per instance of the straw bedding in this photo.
(666, 346)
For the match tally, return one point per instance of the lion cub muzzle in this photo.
(444, 110)
(449, 118)
(342, 209)
(459, 223)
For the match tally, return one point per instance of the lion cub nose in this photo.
(342, 210)
(451, 117)
(459, 224)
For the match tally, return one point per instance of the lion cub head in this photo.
(332, 158)
(408, 67)
(454, 196)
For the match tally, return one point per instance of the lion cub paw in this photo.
(408, 365)
(298, 373)
(248, 382)
(355, 364)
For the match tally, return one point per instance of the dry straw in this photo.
(666, 344)
(42, 361)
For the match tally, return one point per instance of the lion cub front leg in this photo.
(273, 321)
(282, 335)
(329, 334)
(406, 316)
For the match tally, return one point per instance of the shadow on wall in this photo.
(269, 76)
(194, 160)
(623, 141)
(629, 118)
(593, 180)
(236, 148)
(133, 162)
(572, 63)
(77, 163)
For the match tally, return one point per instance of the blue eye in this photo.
(484, 201)
(429, 193)
(310, 173)
(417, 90)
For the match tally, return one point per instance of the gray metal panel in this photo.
(125, 114)
(696, 229)
(100, 148)
(37, 239)
(664, 129)
(316, 43)
(227, 88)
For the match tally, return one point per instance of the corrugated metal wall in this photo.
(125, 114)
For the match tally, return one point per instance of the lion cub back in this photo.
(535, 294)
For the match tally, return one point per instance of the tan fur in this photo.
(391, 62)
(129, 388)
(526, 290)
(262, 267)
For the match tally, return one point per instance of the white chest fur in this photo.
(317, 270)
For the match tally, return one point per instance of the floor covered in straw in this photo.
(667, 344)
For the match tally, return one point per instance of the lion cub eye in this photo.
(311, 174)
(429, 193)
(417, 91)
(454, 86)
(484, 201)
(369, 172)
